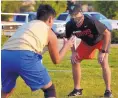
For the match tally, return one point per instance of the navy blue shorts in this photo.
(26, 64)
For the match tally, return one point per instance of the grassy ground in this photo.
(92, 81)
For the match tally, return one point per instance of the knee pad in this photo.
(50, 92)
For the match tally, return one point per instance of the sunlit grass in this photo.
(92, 81)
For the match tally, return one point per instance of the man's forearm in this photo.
(107, 39)
(73, 48)
(63, 51)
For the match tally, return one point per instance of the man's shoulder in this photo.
(89, 19)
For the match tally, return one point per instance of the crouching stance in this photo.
(22, 54)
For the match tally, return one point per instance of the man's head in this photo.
(76, 14)
(46, 13)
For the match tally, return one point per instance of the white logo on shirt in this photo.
(76, 32)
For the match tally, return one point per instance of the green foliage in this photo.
(108, 8)
(86, 2)
(3, 39)
(25, 8)
(116, 12)
(114, 36)
(11, 6)
(116, 17)
(59, 6)
(5, 17)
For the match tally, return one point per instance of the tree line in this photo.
(107, 8)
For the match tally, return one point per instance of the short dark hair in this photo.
(75, 9)
(45, 11)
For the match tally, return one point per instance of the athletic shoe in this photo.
(108, 94)
(75, 92)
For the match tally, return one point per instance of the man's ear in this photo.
(50, 19)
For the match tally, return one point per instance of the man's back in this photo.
(31, 36)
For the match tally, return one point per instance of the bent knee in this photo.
(47, 85)
(50, 92)
(6, 94)
(76, 63)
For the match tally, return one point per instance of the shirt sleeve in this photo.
(99, 26)
(69, 30)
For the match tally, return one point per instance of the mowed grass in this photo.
(92, 81)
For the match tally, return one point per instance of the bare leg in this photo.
(106, 72)
(3, 95)
(47, 86)
(6, 95)
(76, 70)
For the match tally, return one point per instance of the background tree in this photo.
(59, 6)
(10, 7)
(116, 12)
(108, 8)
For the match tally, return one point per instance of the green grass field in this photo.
(92, 81)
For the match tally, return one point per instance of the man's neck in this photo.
(81, 22)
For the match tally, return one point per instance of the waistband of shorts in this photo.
(23, 51)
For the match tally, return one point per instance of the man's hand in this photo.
(75, 57)
(69, 42)
(101, 57)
